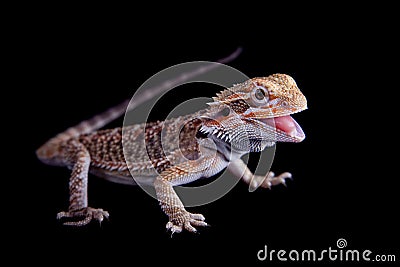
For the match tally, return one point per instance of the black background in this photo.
(344, 174)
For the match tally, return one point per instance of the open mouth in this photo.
(287, 125)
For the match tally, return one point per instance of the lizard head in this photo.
(262, 107)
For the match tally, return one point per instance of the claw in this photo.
(173, 228)
(61, 215)
(88, 213)
(199, 223)
(169, 225)
(267, 184)
(197, 216)
(287, 175)
(189, 227)
(176, 229)
(186, 221)
(269, 181)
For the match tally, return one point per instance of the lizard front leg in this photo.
(240, 169)
(179, 218)
(78, 157)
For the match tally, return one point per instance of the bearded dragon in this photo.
(258, 116)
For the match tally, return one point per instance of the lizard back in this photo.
(145, 149)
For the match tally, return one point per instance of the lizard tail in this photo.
(51, 149)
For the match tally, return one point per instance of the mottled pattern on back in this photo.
(145, 151)
(105, 148)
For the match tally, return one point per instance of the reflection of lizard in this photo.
(247, 117)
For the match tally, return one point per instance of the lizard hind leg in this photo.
(79, 213)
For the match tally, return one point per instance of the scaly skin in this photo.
(239, 121)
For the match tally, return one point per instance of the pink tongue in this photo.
(286, 124)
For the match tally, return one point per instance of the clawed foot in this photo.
(269, 180)
(85, 215)
(185, 220)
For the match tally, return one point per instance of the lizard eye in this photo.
(258, 95)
